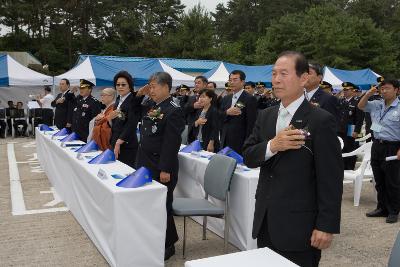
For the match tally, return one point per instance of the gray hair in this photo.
(162, 78)
(110, 91)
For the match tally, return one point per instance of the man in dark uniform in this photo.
(351, 120)
(183, 94)
(315, 95)
(326, 87)
(86, 108)
(64, 104)
(160, 139)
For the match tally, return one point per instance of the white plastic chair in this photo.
(363, 139)
(341, 142)
(358, 175)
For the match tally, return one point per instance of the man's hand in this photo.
(287, 139)
(74, 89)
(321, 240)
(60, 100)
(197, 105)
(398, 154)
(144, 90)
(210, 147)
(354, 134)
(233, 111)
(165, 177)
(200, 121)
(371, 91)
(68, 125)
(112, 115)
(117, 147)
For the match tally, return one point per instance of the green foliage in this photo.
(347, 34)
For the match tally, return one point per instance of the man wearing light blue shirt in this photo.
(385, 115)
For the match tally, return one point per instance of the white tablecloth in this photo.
(126, 225)
(263, 257)
(242, 199)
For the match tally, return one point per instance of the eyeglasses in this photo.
(121, 85)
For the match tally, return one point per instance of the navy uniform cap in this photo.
(259, 84)
(184, 87)
(349, 85)
(325, 85)
(86, 84)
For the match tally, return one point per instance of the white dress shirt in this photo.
(122, 99)
(310, 94)
(291, 108)
(46, 101)
(235, 97)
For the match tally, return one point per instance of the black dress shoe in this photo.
(377, 213)
(169, 252)
(392, 218)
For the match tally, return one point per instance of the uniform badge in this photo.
(75, 109)
(350, 112)
(83, 114)
(85, 105)
(154, 128)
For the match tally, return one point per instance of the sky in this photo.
(208, 4)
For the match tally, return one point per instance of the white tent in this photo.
(13, 73)
(101, 71)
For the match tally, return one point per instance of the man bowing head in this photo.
(299, 192)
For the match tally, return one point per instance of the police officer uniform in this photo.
(85, 110)
(351, 120)
(160, 140)
(386, 142)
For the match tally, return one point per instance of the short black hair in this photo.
(202, 78)
(316, 67)
(250, 84)
(213, 83)
(20, 102)
(241, 74)
(393, 82)
(210, 93)
(66, 81)
(47, 88)
(124, 74)
(162, 78)
(301, 62)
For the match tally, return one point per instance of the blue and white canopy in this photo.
(220, 74)
(101, 71)
(363, 78)
(13, 73)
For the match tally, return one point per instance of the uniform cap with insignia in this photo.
(260, 84)
(85, 84)
(184, 87)
(350, 86)
(325, 85)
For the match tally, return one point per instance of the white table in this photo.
(116, 219)
(242, 199)
(263, 257)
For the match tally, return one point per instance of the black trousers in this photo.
(3, 127)
(127, 155)
(47, 116)
(306, 258)
(171, 234)
(386, 174)
(349, 145)
(24, 127)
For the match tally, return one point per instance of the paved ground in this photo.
(56, 239)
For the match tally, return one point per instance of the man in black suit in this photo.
(238, 113)
(64, 104)
(316, 96)
(299, 192)
(192, 104)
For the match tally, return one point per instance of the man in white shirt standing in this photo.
(45, 104)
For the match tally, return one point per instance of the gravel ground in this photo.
(56, 239)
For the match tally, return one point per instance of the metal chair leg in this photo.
(204, 227)
(226, 227)
(184, 237)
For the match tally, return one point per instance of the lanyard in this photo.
(384, 113)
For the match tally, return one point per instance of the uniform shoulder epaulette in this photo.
(174, 104)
